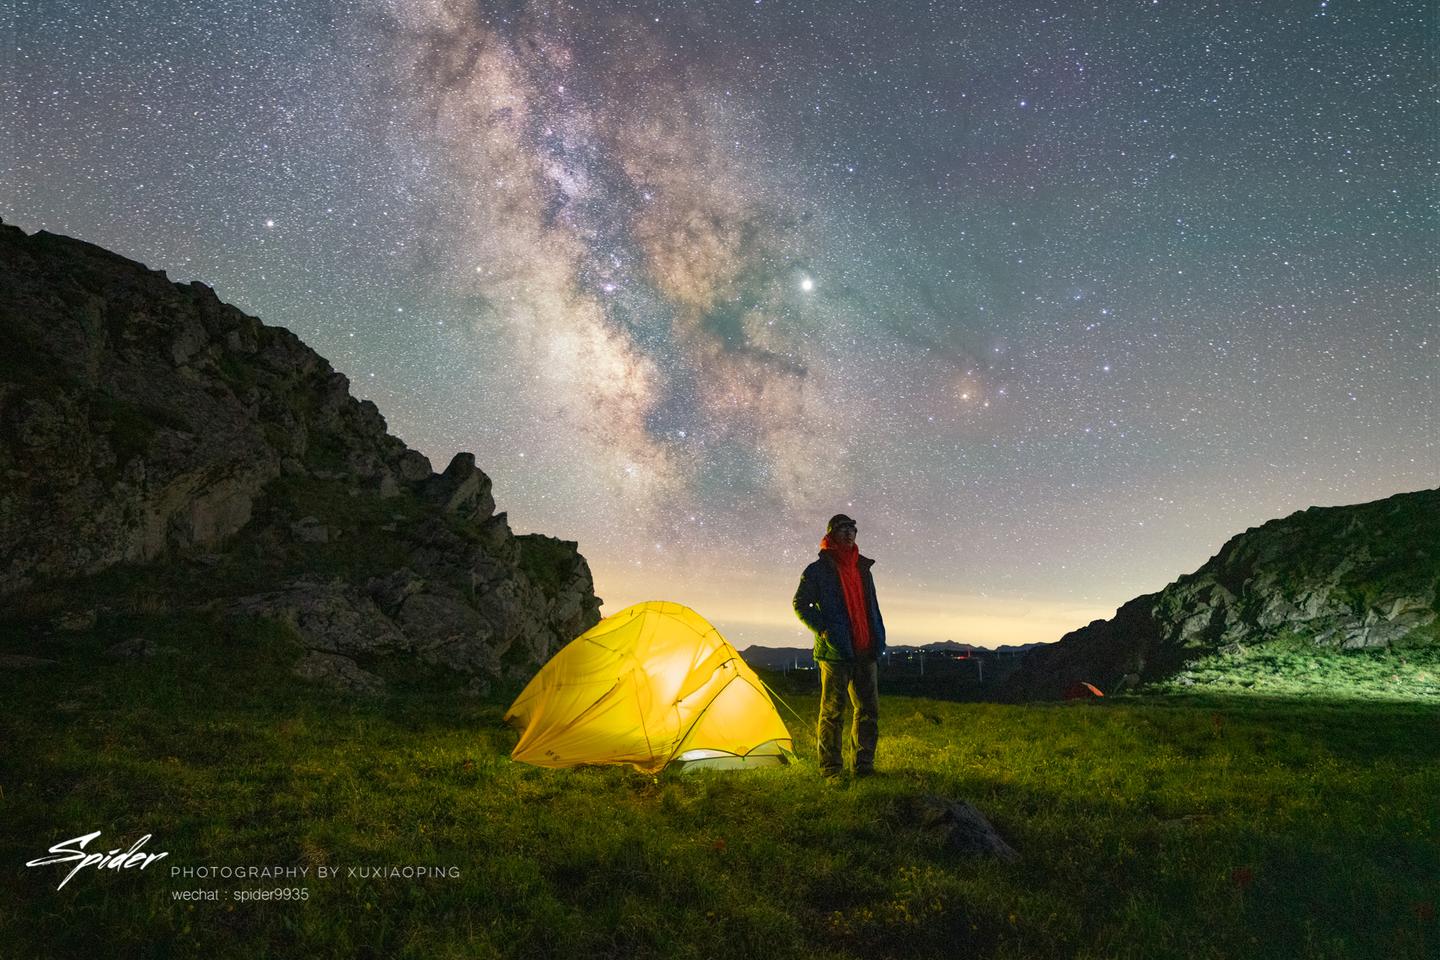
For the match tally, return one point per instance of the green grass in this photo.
(1203, 826)
(1295, 667)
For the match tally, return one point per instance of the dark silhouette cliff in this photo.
(146, 425)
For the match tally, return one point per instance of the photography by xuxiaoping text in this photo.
(290, 880)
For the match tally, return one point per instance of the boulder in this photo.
(137, 648)
(1380, 630)
(412, 467)
(340, 673)
(75, 621)
(331, 617)
(310, 530)
(448, 632)
(960, 828)
(462, 489)
(391, 590)
(15, 661)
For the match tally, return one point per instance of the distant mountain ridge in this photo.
(1347, 577)
(778, 657)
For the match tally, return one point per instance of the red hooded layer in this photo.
(847, 561)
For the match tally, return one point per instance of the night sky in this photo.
(1052, 298)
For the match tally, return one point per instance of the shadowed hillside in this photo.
(164, 451)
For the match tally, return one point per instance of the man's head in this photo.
(841, 530)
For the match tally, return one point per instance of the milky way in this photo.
(1052, 299)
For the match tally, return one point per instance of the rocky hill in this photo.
(1328, 578)
(160, 448)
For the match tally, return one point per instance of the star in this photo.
(585, 228)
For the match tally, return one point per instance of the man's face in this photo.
(843, 536)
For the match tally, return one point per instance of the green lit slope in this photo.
(1335, 600)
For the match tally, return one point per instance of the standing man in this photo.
(836, 600)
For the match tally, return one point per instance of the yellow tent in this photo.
(651, 685)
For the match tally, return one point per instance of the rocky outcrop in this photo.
(339, 673)
(137, 648)
(1347, 577)
(461, 489)
(146, 423)
(142, 418)
(960, 828)
(15, 661)
(330, 617)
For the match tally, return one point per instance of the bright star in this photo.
(807, 284)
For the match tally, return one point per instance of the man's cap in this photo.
(839, 520)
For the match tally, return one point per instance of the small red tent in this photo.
(1080, 690)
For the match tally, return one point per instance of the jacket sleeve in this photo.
(807, 604)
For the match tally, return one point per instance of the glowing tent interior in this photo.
(652, 685)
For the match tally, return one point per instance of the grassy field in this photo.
(1153, 827)
(1292, 667)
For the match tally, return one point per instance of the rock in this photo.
(462, 489)
(447, 631)
(75, 621)
(331, 617)
(15, 661)
(1376, 632)
(391, 590)
(1278, 609)
(135, 648)
(340, 673)
(219, 503)
(961, 828)
(1406, 606)
(478, 688)
(148, 422)
(497, 540)
(310, 530)
(413, 467)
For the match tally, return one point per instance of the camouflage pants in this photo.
(859, 677)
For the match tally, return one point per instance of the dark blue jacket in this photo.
(820, 605)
